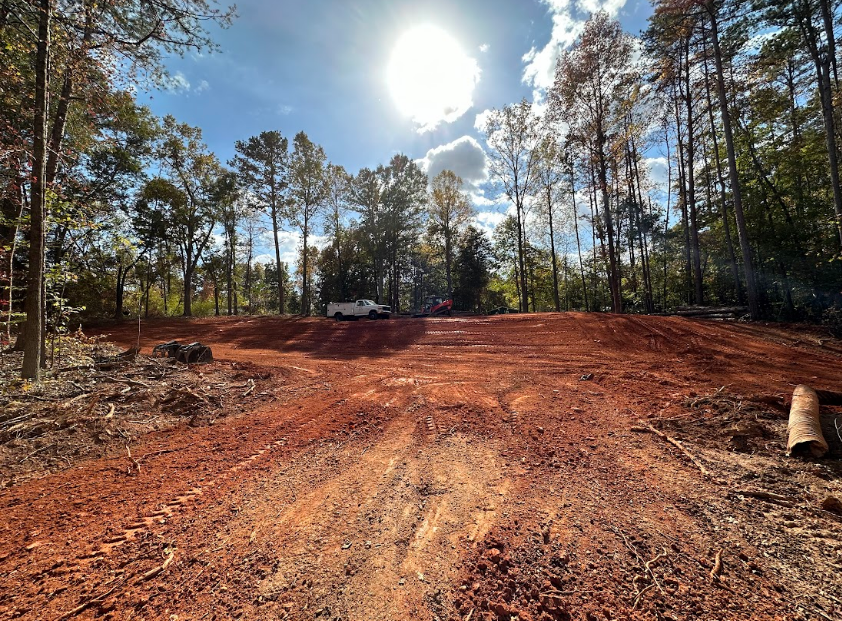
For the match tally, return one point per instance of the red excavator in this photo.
(434, 306)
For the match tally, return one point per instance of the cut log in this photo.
(166, 350)
(194, 353)
(699, 311)
(805, 430)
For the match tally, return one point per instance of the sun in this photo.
(430, 77)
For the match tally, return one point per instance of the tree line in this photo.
(105, 207)
(739, 102)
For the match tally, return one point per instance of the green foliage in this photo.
(472, 268)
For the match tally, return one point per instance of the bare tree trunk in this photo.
(642, 238)
(723, 208)
(682, 196)
(667, 216)
(698, 289)
(448, 260)
(578, 241)
(742, 229)
(552, 251)
(520, 250)
(613, 274)
(118, 298)
(188, 290)
(305, 293)
(278, 258)
(35, 302)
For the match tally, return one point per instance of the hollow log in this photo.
(805, 430)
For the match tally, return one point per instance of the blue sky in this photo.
(321, 66)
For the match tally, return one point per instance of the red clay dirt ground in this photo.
(460, 468)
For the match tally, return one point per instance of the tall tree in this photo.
(472, 266)
(736, 190)
(35, 300)
(366, 197)
(337, 197)
(550, 178)
(307, 193)
(449, 212)
(93, 34)
(590, 78)
(404, 196)
(225, 195)
(513, 136)
(814, 21)
(194, 173)
(262, 165)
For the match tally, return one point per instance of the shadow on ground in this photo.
(315, 336)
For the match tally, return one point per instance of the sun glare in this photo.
(430, 77)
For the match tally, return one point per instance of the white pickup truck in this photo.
(355, 310)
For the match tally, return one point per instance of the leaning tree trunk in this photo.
(742, 229)
(698, 289)
(35, 301)
(726, 226)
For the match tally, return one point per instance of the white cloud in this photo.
(612, 7)
(487, 221)
(479, 199)
(289, 243)
(484, 48)
(489, 218)
(464, 156)
(284, 110)
(568, 22)
(178, 83)
(263, 259)
(481, 120)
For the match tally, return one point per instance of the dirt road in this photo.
(464, 468)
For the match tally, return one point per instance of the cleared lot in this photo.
(475, 467)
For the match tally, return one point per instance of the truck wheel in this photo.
(338, 316)
(372, 315)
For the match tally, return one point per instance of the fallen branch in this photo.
(765, 496)
(35, 452)
(680, 447)
(251, 388)
(157, 570)
(639, 595)
(94, 600)
(646, 564)
(152, 454)
(717, 568)
(661, 555)
(121, 380)
(133, 460)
